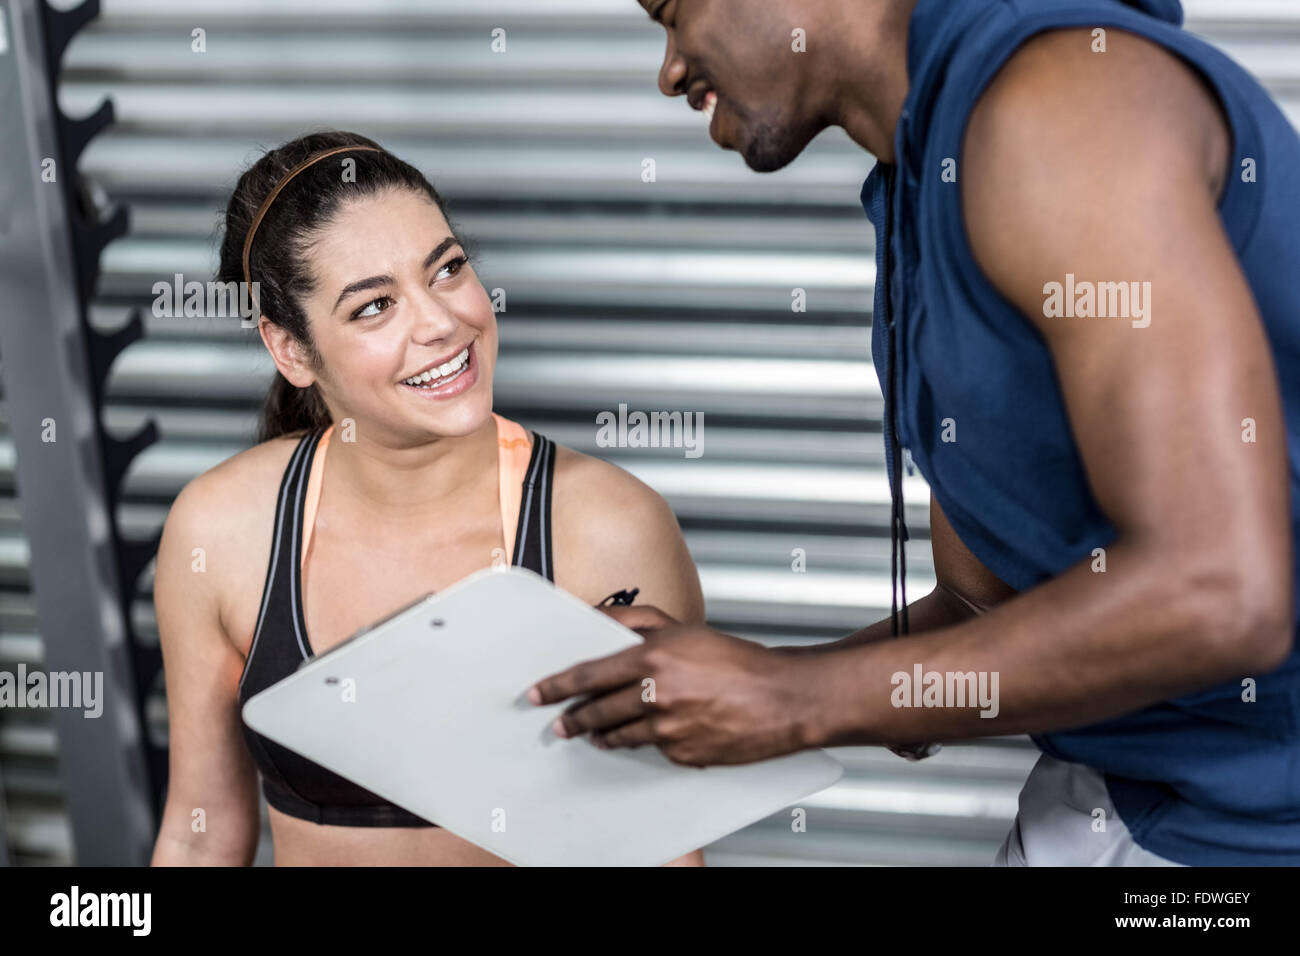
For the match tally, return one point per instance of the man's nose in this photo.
(672, 75)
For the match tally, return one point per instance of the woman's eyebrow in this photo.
(374, 282)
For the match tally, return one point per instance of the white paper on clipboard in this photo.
(426, 709)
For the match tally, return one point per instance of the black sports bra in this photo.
(292, 783)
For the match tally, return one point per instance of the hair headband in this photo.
(288, 177)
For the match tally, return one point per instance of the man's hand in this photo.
(701, 696)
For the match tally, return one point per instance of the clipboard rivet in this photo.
(436, 622)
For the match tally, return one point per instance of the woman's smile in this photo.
(447, 380)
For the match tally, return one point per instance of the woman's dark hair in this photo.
(277, 261)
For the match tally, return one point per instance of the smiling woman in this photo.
(384, 343)
(292, 212)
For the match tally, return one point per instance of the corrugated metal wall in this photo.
(671, 295)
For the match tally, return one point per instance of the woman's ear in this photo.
(287, 353)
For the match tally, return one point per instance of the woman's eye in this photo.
(367, 310)
(372, 308)
(451, 268)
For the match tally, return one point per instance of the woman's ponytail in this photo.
(288, 409)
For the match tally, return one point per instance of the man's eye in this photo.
(366, 312)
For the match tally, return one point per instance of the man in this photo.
(1087, 325)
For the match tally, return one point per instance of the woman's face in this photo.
(395, 300)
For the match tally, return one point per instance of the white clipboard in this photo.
(426, 708)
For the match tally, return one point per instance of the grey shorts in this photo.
(1066, 818)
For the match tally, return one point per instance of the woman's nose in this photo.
(434, 320)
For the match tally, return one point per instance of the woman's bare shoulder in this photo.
(598, 491)
(223, 519)
(613, 531)
(233, 490)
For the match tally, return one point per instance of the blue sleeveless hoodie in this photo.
(1204, 779)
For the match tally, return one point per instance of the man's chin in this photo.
(769, 151)
(761, 162)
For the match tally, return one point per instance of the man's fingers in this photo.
(635, 734)
(605, 712)
(589, 677)
(607, 673)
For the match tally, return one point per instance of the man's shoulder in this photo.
(1131, 98)
(1067, 150)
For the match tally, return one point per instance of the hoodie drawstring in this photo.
(897, 520)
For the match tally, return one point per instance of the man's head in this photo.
(741, 52)
(778, 72)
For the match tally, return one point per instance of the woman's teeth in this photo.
(441, 374)
(710, 104)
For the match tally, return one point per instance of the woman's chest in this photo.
(352, 580)
(354, 575)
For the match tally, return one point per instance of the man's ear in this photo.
(287, 353)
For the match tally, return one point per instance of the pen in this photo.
(620, 598)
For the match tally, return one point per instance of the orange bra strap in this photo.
(514, 448)
(313, 493)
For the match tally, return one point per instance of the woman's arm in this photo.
(210, 817)
(612, 532)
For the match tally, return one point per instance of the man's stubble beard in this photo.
(771, 146)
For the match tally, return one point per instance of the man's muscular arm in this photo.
(1108, 166)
